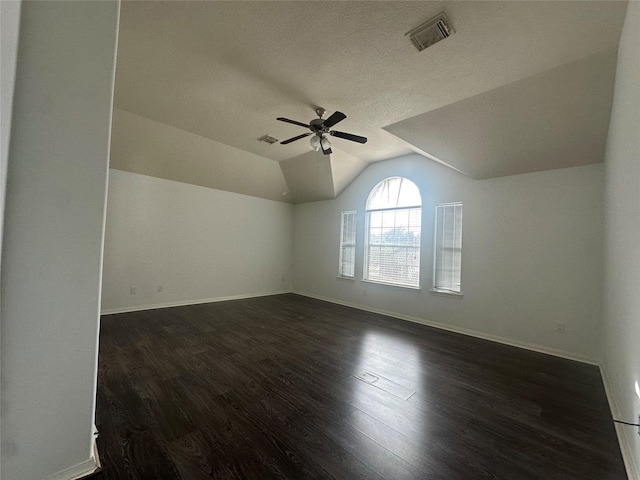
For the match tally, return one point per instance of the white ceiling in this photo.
(555, 119)
(226, 70)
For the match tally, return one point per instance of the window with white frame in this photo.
(347, 267)
(448, 248)
(393, 227)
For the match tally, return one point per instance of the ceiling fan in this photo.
(319, 128)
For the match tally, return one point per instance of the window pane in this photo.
(394, 221)
(448, 247)
(347, 244)
(394, 192)
(347, 261)
(394, 264)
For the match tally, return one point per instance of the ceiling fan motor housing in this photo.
(317, 126)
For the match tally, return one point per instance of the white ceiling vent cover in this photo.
(430, 32)
(268, 139)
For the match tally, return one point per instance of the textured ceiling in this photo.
(555, 119)
(226, 70)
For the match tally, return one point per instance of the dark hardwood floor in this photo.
(291, 387)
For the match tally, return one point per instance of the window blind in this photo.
(347, 267)
(448, 247)
(392, 250)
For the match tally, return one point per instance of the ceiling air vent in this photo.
(430, 32)
(268, 139)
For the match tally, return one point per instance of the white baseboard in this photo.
(81, 470)
(76, 472)
(182, 303)
(621, 430)
(464, 331)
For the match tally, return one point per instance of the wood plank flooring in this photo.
(266, 388)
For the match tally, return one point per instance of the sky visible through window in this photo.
(395, 192)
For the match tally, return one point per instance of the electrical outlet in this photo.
(133, 290)
(559, 327)
(160, 288)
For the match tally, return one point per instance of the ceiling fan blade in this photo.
(333, 119)
(326, 151)
(349, 136)
(284, 142)
(282, 119)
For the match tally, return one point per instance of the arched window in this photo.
(393, 226)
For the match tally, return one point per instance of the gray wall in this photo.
(9, 30)
(532, 254)
(621, 330)
(54, 224)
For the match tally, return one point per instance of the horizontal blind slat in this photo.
(448, 247)
(347, 262)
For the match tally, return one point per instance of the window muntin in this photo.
(448, 248)
(347, 266)
(394, 192)
(393, 229)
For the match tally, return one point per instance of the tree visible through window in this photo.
(393, 226)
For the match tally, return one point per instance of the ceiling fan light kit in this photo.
(325, 143)
(319, 128)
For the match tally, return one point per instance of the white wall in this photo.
(532, 254)
(621, 330)
(54, 222)
(198, 243)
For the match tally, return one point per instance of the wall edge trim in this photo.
(182, 303)
(463, 331)
(78, 471)
(621, 431)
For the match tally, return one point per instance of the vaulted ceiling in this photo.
(520, 87)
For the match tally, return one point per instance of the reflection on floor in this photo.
(291, 387)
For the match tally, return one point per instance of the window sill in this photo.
(408, 287)
(446, 293)
(340, 277)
